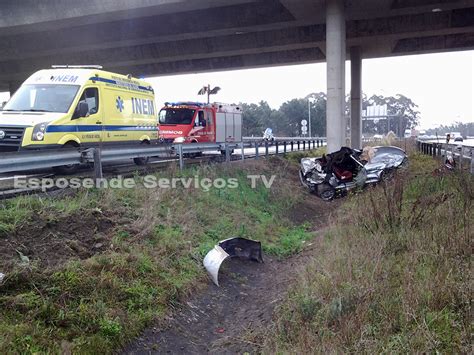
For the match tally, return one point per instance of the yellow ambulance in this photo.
(78, 106)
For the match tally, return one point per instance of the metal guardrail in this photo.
(285, 139)
(463, 154)
(32, 160)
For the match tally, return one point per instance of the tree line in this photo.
(466, 129)
(286, 120)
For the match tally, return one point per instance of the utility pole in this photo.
(309, 116)
(207, 90)
(310, 100)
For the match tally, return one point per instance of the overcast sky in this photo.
(441, 84)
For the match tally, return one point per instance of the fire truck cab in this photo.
(194, 122)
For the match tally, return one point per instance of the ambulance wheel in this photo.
(67, 169)
(142, 161)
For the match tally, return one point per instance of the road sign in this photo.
(304, 123)
(304, 129)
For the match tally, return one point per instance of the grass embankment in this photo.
(87, 271)
(392, 275)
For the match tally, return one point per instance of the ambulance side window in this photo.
(91, 96)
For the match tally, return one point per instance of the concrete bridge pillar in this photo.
(335, 58)
(356, 97)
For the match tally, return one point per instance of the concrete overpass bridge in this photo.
(162, 37)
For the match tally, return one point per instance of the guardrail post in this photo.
(97, 164)
(461, 155)
(276, 147)
(180, 154)
(291, 145)
(317, 143)
(298, 145)
(227, 153)
(242, 150)
(453, 154)
(304, 145)
(472, 160)
(256, 150)
(284, 147)
(266, 149)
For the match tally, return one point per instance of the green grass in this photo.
(392, 275)
(152, 260)
(296, 157)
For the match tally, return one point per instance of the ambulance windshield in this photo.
(42, 98)
(173, 116)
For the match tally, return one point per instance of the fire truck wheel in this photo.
(230, 152)
(194, 155)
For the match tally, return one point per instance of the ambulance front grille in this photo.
(10, 139)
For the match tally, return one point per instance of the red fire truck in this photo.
(194, 122)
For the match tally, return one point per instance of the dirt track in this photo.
(223, 319)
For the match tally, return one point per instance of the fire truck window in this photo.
(209, 118)
(173, 116)
(202, 121)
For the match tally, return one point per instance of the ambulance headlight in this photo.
(179, 140)
(38, 131)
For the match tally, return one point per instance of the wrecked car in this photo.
(339, 172)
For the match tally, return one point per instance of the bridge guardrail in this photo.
(283, 139)
(463, 154)
(33, 160)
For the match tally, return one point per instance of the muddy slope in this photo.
(223, 319)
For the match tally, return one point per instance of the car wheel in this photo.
(387, 175)
(326, 192)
